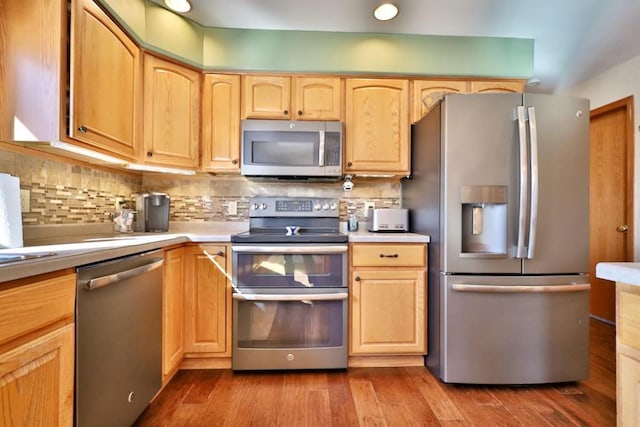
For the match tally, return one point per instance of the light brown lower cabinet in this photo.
(388, 300)
(173, 300)
(37, 350)
(207, 303)
(628, 354)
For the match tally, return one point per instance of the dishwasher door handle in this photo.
(99, 282)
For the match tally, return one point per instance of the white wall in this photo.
(616, 83)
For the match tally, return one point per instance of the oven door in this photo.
(299, 266)
(285, 329)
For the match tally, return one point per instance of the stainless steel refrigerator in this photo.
(500, 183)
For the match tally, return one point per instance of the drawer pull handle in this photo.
(388, 256)
(220, 254)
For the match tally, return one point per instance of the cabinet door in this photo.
(172, 312)
(36, 381)
(171, 113)
(497, 86)
(221, 123)
(105, 82)
(208, 301)
(427, 92)
(317, 98)
(388, 312)
(266, 97)
(377, 126)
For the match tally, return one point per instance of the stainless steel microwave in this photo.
(291, 149)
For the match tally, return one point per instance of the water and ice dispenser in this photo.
(484, 221)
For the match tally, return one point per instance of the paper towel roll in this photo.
(10, 212)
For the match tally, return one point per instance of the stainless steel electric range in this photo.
(290, 286)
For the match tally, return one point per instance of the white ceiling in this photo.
(574, 39)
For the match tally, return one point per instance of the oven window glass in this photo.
(290, 324)
(289, 270)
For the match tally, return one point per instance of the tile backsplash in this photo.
(66, 193)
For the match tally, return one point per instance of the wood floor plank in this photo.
(436, 397)
(343, 410)
(367, 404)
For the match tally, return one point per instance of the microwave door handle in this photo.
(321, 149)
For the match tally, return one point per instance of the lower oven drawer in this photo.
(290, 331)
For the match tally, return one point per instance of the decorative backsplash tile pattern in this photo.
(66, 193)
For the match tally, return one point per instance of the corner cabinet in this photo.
(387, 304)
(37, 350)
(292, 97)
(208, 303)
(221, 123)
(497, 86)
(171, 113)
(106, 84)
(377, 126)
(173, 302)
(426, 93)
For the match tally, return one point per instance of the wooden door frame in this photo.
(627, 105)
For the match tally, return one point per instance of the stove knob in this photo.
(255, 206)
(325, 206)
(333, 206)
(316, 206)
(263, 206)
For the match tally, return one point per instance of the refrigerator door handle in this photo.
(524, 184)
(533, 209)
(497, 289)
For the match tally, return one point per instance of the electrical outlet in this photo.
(367, 207)
(25, 201)
(232, 208)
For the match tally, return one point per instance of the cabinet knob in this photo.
(622, 228)
(357, 278)
(286, 112)
(220, 254)
(299, 112)
(349, 164)
(82, 129)
(234, 161)
(149, 154)
(389, 256)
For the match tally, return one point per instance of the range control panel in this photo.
(294, 207)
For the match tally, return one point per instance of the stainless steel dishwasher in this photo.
(118, 339)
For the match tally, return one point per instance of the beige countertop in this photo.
(625, 272)
(76, 245)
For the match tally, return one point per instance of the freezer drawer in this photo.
(515, 329)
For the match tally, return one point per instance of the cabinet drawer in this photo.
(24, 309)
(388, 255)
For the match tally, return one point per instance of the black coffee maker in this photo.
(152, 212)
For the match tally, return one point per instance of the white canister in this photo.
(10, 212)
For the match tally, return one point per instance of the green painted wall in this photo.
(322, 52)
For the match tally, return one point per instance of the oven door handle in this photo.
(293, 249)
(292, 297)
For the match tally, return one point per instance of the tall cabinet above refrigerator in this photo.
(500, 183)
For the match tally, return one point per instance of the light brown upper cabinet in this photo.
(317, 98)
(427, 92)
(171, 113)
(106, 86)
(377, 126)
(497, 86)
(292, 98)
(221, 123)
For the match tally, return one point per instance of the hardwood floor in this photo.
(385, 397)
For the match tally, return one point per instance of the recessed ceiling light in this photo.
(385, 11)
(178, 5)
